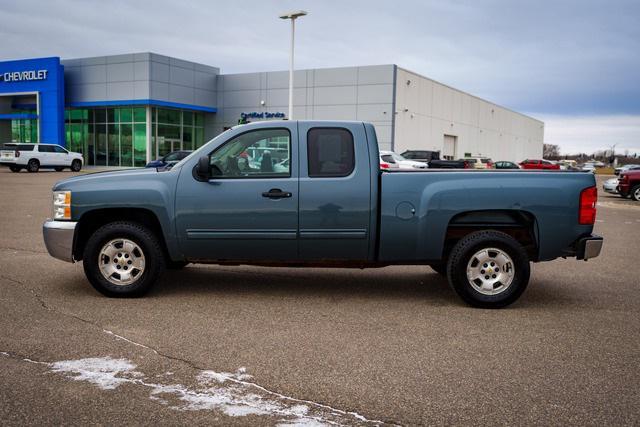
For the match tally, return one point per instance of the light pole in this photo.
(292, 16)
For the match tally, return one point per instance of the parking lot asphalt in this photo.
(249, 345)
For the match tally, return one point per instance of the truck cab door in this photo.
(335, 189)
(248, 210)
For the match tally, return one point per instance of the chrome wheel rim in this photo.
(121, 262)
(636, 194)
(490, 271)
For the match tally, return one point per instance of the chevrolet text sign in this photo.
(24, 76)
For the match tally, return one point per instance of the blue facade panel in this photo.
(44, 77)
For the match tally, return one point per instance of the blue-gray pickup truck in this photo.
(311, 193)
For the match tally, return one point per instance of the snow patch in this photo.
(224, 392)
(104, 372)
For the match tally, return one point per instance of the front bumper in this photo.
(58, 238)
(589, 247)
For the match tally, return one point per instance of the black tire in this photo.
(463, 253)
(176, 265)
(440, 268)
(635, 193)
(59, 169)
(33, 166)
(147, 243)
(76, 165)
(15, 169)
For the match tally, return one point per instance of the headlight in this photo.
(62, 205)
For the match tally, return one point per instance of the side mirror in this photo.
(203, 170)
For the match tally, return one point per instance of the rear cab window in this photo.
(330, 152)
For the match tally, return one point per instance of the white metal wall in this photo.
(349, 93)
(426, 111)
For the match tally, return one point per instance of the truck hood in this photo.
(66, 184)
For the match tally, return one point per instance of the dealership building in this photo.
(125, 110)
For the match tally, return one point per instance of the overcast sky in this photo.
(573, 64)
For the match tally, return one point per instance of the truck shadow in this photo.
(389, 284)
(421, 283)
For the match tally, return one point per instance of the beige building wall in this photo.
(426, 111)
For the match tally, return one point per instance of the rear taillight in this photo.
(384, 165)
(17, 153)
(467, 165)
(489, 164)
(587, 211)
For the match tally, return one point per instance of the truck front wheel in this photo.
(488, 269)
(123, 259)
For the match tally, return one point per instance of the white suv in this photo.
(32, 157)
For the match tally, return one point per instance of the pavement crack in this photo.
(16, 356)
(31, 251)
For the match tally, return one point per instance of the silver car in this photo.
(611, 186)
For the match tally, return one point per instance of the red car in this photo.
(629, 184)
(539, 164)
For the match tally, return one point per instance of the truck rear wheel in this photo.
(123, 259)
(488, 269)
(15, 168)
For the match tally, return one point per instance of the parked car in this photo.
(449, 164)
(476, 162)
(432, 158)
(332, 208)
(424, 156)
(568, 164)
(172, 157)
(506, 165)
(589, 167)
(402, 162)
(625, 168)
(539, 164)
(32, 157)
(388, 162)
(611, 186)
(629, 184)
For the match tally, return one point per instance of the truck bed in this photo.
(418, 206)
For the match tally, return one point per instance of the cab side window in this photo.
(263, 153)
(330, 152)
(58, 149)
(42, 148)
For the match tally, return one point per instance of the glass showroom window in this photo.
(24, 130)
(108, 136)
(174, 130)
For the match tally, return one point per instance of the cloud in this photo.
(587, 134)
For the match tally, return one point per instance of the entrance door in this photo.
(248, 210)
(449, 148)
(167, 145)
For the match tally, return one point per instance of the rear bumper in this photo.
(58, 238)
(589, 247)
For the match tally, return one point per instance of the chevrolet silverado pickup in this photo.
(311, 193)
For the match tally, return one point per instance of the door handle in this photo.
(276, 193)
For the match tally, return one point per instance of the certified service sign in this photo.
(23, 76)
